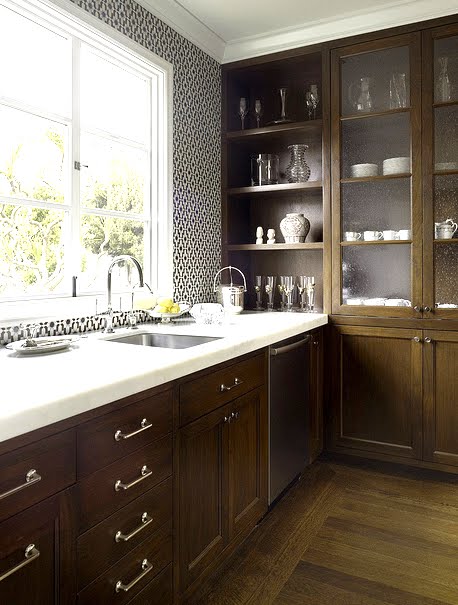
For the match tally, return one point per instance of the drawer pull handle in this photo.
(224, 388)
(146, 520)
(31, 553)
(31, 477)
(144, 425)
(145, 473)
(146, 568)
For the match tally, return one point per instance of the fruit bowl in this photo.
(168, 317)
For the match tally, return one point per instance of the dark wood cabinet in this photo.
(315, 411)
(35, 555)
(377, 391)
(222, 477)
(202, 492)
(441, 396)
(247, 461)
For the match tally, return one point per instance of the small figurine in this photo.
(271, 236)
(259, 235)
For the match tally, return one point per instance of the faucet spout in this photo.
(116, 261)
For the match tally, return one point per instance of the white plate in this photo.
(446, 306)
(166, 317)
(446, 166)
(45, 344)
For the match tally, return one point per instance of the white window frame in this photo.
(65, 17)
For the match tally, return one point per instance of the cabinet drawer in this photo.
(29, 542)
(101, 546)
(132, 573)
(115, 435)
(204, 394)
(32, 473)
(114, 486)
(158, 592)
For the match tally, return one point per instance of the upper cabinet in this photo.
(376, 178)
(440, 170)
(274, 163)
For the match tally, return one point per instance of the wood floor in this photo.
(350, 535)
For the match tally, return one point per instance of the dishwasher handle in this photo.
(291, 347)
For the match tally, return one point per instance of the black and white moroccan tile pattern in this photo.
(196, 159)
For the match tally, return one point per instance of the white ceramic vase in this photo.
(294, 228)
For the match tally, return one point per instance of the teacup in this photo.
(372, 236)
(352, 236)
(390, 234)
(405, 234)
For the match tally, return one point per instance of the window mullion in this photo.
(74, 155)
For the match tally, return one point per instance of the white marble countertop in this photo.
(42, 389)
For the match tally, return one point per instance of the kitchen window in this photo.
(85, 156)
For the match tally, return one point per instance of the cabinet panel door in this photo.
(247, 461)
(441, 397)
(33, 551)
(202, 494)
(316, 395)
(377, 390)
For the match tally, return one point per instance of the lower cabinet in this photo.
(440, 375)
(35, 555)
(222, 481)
(377, 390)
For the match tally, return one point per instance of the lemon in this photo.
(175, 308)
(165, 302)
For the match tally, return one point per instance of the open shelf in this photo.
(310, 185)
(378, 242)
(265, 247)
(374, 114)
(381, 177)
(287, 128)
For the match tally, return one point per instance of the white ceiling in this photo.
(230, 30)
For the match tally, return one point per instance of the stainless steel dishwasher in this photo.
(289, 362)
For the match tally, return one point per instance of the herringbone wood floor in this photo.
(370, 534)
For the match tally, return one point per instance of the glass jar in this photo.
(264, 169)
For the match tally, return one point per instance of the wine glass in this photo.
(301, 286)
(310, 290)
(315, 98)
(243, 111)
(258, 111)
(271, 280)
(309, 104)
(258, 289)
(281, 290)
(288, 289)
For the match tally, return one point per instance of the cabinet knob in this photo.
(428, 339)
(416, 339)
(418, 309)
(427, 309)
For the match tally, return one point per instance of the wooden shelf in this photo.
(446, 104)
(374, 114)
(444, 172)
(381, 177)
(309, 185)
(378, 242)
(446, 241)
(264, 247)
(289, 128)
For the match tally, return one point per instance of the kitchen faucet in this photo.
(115, 261)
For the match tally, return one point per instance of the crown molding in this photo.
(347, 24)
(186, 24)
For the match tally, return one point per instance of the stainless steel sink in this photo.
(166, 341)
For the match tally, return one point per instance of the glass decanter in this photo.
(297, 171)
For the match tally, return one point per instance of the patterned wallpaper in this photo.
(196, 159)
(196, 142)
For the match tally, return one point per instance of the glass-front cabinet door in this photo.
(376, 178)
(440, 170)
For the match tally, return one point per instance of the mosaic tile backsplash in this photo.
(196, 160)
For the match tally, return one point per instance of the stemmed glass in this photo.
(243, 111)
(288, 289)
(258, 289)
(258, 111)
(271, 280)
(281, 290)
(310, 290)
(301, 286)
(312, 98)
